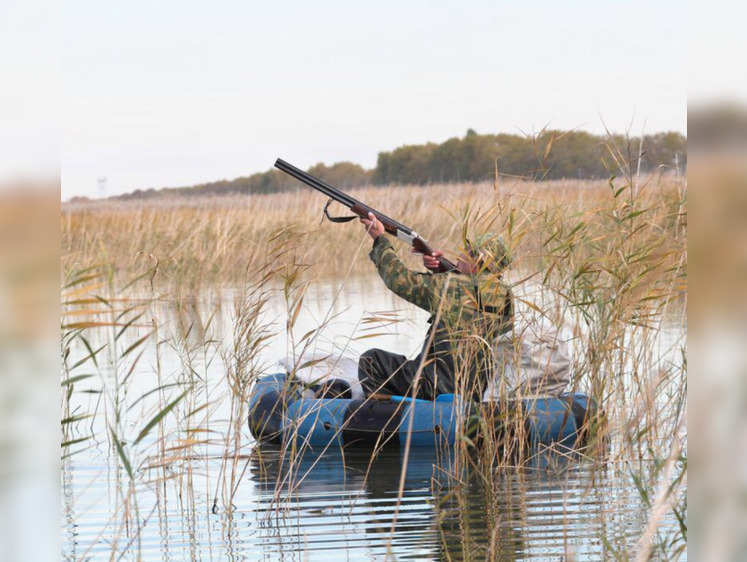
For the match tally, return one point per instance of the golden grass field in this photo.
(207, 240)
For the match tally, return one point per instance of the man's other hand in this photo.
(373, 226)
(431, 262)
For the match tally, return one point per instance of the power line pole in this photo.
(102, 187)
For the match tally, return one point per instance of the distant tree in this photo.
(664, 149)
(552, 154)
(342, 174)
(407, 164)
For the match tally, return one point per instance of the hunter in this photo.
(469, 308)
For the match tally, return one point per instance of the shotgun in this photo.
(391, 226)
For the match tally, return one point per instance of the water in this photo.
(330, 507)
(549, 508)
(195, 496)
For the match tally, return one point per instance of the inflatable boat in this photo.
(281, 412)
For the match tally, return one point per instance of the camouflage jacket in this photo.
(454, 298)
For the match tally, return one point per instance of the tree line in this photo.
(472, 158)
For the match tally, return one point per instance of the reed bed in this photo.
(199, 241)
(604, 261)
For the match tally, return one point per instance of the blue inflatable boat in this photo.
(279, 413)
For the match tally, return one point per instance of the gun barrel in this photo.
(316, 183)
(401, 231)
(334, 193)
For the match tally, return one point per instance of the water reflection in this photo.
(321, 505)
(347, 505)
(548, 508)
(316, 503)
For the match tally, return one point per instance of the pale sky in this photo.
(166, 93)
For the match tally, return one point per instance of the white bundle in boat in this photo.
(531, 363)
(316, 370)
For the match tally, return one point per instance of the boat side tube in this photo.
(279, 414)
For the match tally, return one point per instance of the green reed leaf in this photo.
(67, 444)
(121, 453)
(77, 378)
(135, 345)
(127, 324)
(159, 416)
(312, 362)
(158, 388)
(73, 419)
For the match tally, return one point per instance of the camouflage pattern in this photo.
(491, 248)
(453, 293)
(457, 354)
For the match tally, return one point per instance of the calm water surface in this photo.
(197, 497)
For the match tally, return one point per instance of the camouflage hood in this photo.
(491, 248)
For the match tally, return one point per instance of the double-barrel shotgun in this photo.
(362, 210)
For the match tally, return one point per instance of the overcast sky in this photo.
(167, 93)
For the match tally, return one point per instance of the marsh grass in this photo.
(203, 241)
(111, 337)
(602, 262)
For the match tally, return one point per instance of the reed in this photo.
(604, 262)
(208, 241)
